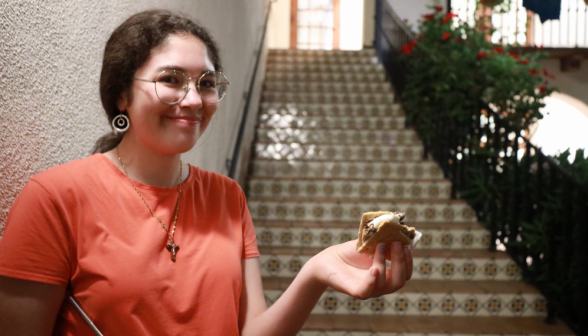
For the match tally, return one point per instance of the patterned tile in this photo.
(424, 268)
(379, 126)
(424, 304)
(360, 333)
(324, 68)
(296, 151)
(333, 98)
(352, 87)
(329, 110)
(327, 77)
(415, 212)
(432, 239)
(353, 170)
(379, 190)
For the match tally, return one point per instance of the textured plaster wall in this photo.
(50, 59)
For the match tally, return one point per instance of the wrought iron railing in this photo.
(534, 209)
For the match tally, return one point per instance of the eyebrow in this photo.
(177, 68)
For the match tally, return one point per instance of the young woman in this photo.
(150, 245)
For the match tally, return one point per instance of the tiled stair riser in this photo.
(499, 269)
(376, 190)
(326, 77)
(338, 211)
(333, 98)
(295, 151)
(341, 59)
(429, 304)
(322, 53)
(371, 170)
(334, 123)
(362, 137)
(325, 237)
(330, 110)
(311, 87)
(327, 68)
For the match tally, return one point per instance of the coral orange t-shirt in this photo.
(83, 223)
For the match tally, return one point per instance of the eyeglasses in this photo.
(172, 86)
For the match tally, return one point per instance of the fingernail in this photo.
(397, 247)
(373, 271)
(383, 248)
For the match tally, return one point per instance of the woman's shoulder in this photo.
(215, 181)
(67, 174)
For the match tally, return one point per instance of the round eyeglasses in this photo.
(172, 86)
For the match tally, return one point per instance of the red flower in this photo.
(445, 36)
(525, 62)
(548, 74)
(429, 16)
(438, 8)
(533, 72)
(498, 50)
(406, 49)
(543, 89)
(421, 36)
(513, 55)
(413, 43)
(481, 55)
(459, 40)
(405, 20)
(448, 16)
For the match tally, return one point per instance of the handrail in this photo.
(235, 158)
(534, 208)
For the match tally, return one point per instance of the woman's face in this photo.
(169, 129)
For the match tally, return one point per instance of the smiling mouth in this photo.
(186, 120)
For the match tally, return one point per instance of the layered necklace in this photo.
(171, 247)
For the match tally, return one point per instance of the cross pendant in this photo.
(172, 248)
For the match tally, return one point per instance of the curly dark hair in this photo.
(129, 47)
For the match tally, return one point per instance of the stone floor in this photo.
(331, 144)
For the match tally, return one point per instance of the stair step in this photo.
(462, 265)
(377, 170)
(355, 225)
(322, 53)
(309, 87)
(367, 190)
(429, 304)
(432, 211)
(366, 325)
(295, 123)
(326, 68)
(295, 151)
(434, 286)
(327, 77)
(327, 59)
(325, 137)
(329, 98)
(325, 237)
(334, 110)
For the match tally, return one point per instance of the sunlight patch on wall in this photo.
(564, 125)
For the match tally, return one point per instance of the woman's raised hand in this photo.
(361, 276)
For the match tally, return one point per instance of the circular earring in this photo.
(121, 123)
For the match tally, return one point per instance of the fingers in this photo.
(408, 262)
(380, 264)
(398, 268)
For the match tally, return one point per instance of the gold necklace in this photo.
(171, 247)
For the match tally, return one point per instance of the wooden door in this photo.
(315, 24)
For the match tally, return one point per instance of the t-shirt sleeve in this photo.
(36, 241)
(250, 249)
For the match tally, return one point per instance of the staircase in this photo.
(330, 145)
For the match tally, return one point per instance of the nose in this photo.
(192, 99)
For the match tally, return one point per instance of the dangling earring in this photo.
(121, 123)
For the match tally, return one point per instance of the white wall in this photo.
(414, 10)
(278, 33)
(50, 61)
(574, 83)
